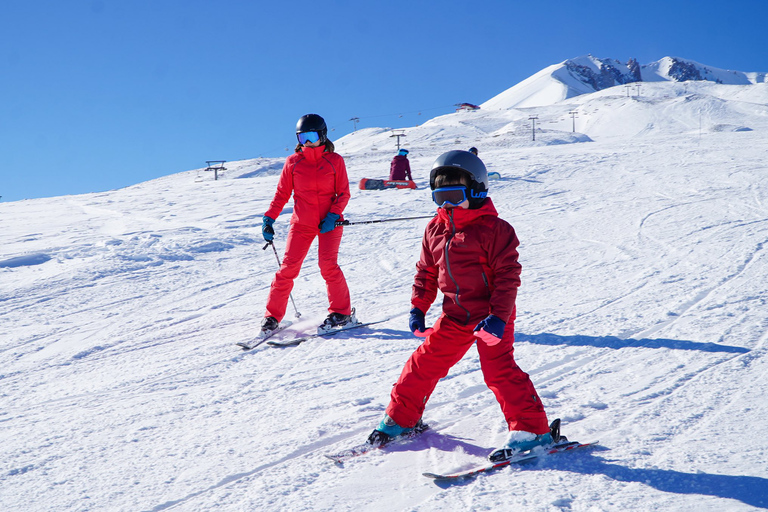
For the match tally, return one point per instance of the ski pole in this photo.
(298, 315)
(347, 223)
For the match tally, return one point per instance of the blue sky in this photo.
(102, 94)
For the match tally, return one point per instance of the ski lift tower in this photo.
(574, 114)
(533, 119)
(398, 135)
(216, 166)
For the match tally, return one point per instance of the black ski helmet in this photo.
(471, 165)
(312, 123)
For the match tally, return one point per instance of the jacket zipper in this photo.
(448, 266)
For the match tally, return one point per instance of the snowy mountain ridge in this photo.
(587, 74)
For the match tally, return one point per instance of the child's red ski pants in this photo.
(514, 390)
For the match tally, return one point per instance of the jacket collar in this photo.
(462, 218)
(313, 154)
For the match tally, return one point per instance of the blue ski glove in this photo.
(329, 222)
(490, 330)
(266, 228)
(418, 324)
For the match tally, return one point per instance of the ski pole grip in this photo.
(342, 223)
(266, 245)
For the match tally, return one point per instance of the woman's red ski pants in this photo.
(300, 238)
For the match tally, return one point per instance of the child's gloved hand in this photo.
(417, 324)
(329, 222)
(266, 228)
(490, 330)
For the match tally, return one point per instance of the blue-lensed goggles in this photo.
(453, 196)
(305, 137)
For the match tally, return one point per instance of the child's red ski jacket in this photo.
(471, 256)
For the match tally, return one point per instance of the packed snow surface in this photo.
(642, 320)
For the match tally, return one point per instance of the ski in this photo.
(301, 339)
(262, 337)
(522, 458)
(362, 449)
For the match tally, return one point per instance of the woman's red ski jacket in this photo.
(319, 184)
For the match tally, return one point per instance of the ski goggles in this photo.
(453, 196)
(305, 137)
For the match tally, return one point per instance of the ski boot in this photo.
(268, 325)
(388, 430)
(519, 441)
(336, 322)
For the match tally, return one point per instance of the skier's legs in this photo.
(520, 404)
(426, 366)
(335, 283)
(296, 248)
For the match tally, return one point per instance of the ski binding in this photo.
(296, 341)
(263, 336)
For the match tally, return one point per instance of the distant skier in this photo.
(317, 178)
(400, 168)
(473, 150)
(470, 255)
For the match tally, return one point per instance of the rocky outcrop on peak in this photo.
(608, 74)
(681, 71)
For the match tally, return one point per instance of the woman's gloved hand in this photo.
(329, 222)
(266, 228)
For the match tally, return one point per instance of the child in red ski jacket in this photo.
(470, 255)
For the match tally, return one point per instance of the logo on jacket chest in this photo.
(458, 239)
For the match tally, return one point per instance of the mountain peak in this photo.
(587, 74)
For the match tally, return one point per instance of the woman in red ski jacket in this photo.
(470, 255)
(317, 178)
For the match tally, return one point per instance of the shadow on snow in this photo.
(750, 490)
(617, 343)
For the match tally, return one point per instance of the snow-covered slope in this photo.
(681, 70)
(588, 74)
(641, 320)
